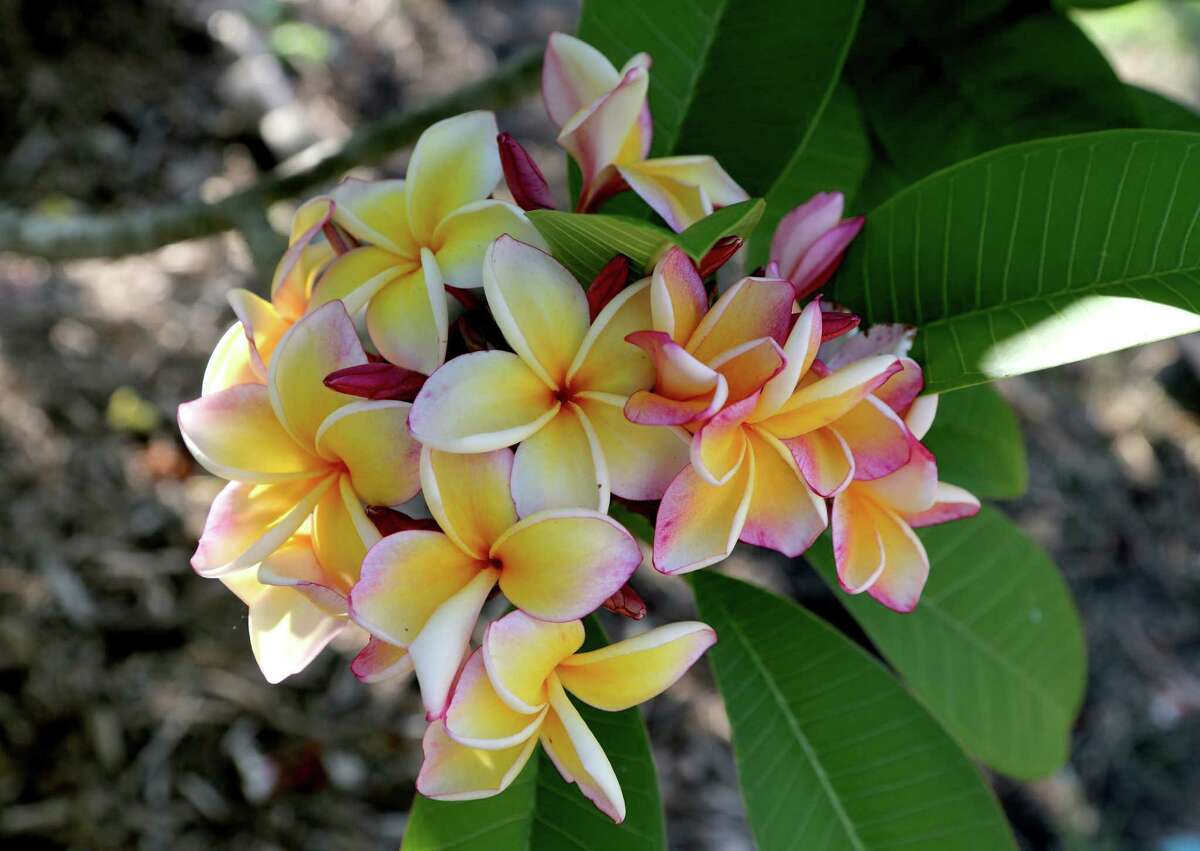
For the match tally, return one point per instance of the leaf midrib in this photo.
(794, 724)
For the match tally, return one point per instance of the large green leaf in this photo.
(832, 752)
(994, 649)
(740, 219)
(584, 243)
(943, 81)
(540, 811)
(834, 159)
(743, 81)
(978, 443)
(1037, 254)
(1161, 112)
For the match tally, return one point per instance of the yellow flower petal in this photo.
(677, 294)
(562, 564)
(235, 434)
(698, 523)
(462, 238)
(684, 189)
(520, 652)
(342, 533)
(599, 135)
(320, 343)
(719, 448)
(469, 496)
(408, 320)
(405, 578)
(799, 352)
(229, 364)
(372, 440)
(820, 403)
(247, 522)
(376, 212)
(380, 661)
(478, 718)
(824, 460)
(632, 671)
(856, 543)
(641, 460)
(905, 565)
(454, 772)
(455, 162)
(784, 514)
(263, 325)
(541, 310)
(561, 466)
(573, 75)
(295, 565)
(357, 276)
(306, 252)
(577, 755)
(749, 366)
(750, 309)
(606, 362)
(479, 402)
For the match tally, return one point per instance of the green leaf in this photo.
(735, 220)
(831, 751)
(994, 649)
(1161, 112)
(834, 159)
(584, 243)
(742, 81)
(541, 811)
(941, 82)
(639, 525)
(1036, 255)
(978, 443)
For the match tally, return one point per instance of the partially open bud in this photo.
(611, 280)
(811, 240)
(377, 381)
(525, 180)
(628, 603)
(389, 521)
(720, 254)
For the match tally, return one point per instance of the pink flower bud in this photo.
(811, 240)
(835, 323)
(377, 381)
(720, 254)
(525, 180)
(611, 280)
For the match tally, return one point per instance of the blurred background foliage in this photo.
(131, 712)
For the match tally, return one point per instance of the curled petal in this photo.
(376, 212)
(408, 319)
(579, 758)
(641, 460)
(454, 163)
(824, 459)
(910, 490)
(823, 259)
(289, 284)
(784, 514)
(800, 229)
(478, 718)
(951, 503)
(799, 352)
(481, 401)
(678, 299)
(606, 361)
(562, 466)
(750, 366)
(520, 653)
(679, 375)
(454, 772)
(562, 564)
(652, 409)
(469, 495)
(906, 565)
(380, 661)
(698, 523)
(372, 440)
(682, 190)
(857, 547)
(463, 237)
(229, 364)
(719, 448)
(877, 438)
(920, 415)
(750, 309)
(632, 671)
(901, 389)
(320, 343)
(574, 74)
(263, 325)
(248, 522)
(235, 434)
(540, 308)
(606, 131)
(295, 565)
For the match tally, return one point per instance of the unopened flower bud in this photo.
(377, 381)
(611, 280)
(628, 603)
(525, 180)
(720, 254)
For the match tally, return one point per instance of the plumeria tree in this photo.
(463, 388)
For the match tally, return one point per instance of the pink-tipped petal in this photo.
(902, 388)
(951, 503)
(295, 565)
(478, 718)
(574, 74)
(824, 460)
(698, 524)
(598, 134)
(454, 772)
(678, 299)
(906, 565)
(562, 466)
(857, 547)
(823, 259)
(263, 325)
(679, 375)
(799, 352)
(380, 661)
(802, 227)
(719, 448)
(562, 564)
(821, 402)
(910, 490)
(652, 409)
(289, 284)
(682, 190)
(877, 438)
(521, 652)
(578, 756)
(750, 309)
(784, 514)
(748, 367)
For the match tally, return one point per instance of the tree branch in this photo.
(115, 234)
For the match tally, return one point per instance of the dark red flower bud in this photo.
(389, 521)
(338, 239)
(525, 180)
(377, 381)
(627, 602)
(466, 298)
(611, 280)
(720, 254)
(835, 323)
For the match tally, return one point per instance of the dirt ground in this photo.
(132, 715)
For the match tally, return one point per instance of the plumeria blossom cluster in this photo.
(431, 411)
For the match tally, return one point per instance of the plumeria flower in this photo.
(723, 375)
(811, 241)
(604, 123)
(422, 590)
(420, 233)
(242, 354)
(512, 693)
(873, 521)
(559, 393)
(297, 453)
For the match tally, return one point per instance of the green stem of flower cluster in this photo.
(115, 234)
